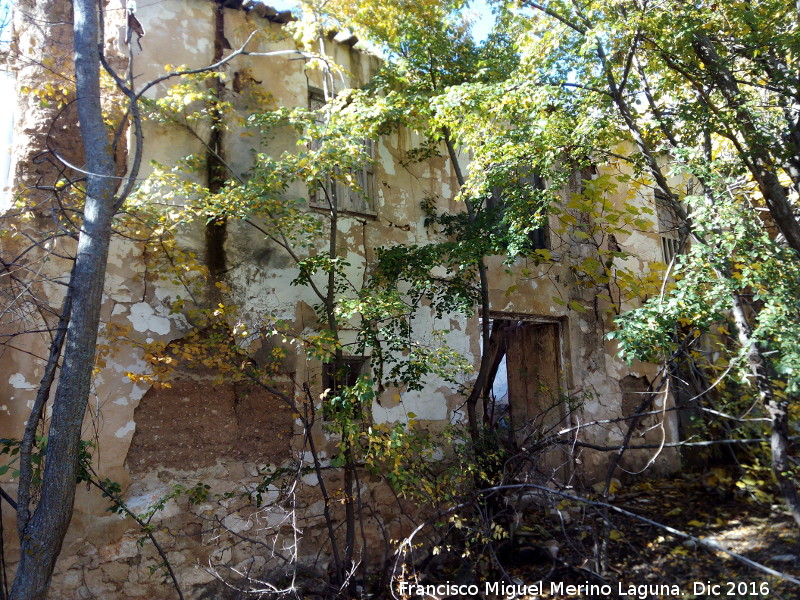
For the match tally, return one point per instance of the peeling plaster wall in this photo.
(220, 433)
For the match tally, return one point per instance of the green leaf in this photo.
(576, 306)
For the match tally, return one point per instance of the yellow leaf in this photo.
(695, 523)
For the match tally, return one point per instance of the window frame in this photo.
(358, 202)
(668, 228)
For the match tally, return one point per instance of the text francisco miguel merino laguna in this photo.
(511, 590)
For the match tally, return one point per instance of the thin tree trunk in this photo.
(346, 566)
(41, 539)
(29, 437)
(758, 157)
(486, 325)
(216, 228)
(777, 409)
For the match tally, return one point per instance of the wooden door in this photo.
(534, 380)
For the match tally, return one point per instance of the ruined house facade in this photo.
(225, 434)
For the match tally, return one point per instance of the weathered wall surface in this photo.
(228, 435)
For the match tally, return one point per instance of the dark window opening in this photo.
(335, 380)
(526, 181)
(537, 240)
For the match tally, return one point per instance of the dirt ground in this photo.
(604, 555)
(645, 561)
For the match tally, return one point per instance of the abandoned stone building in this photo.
(225, 433)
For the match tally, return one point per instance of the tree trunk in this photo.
(758, 156)
(779, 440)
(475, 423)
(42, 536)
(216, 227)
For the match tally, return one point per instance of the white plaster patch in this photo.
(122, 251)
(135, 366)
(386, 158)
(356, 269)
(260, 295)
(119, 309)
(144, 319)
(143, 501)
(137, 392)
(163, 294)
(345, 225)
(308, 456)
(116, 285)
(439, 271)
(430, 407)
(121, 402)
(126, 429)
(403, 199)
(18, 381)
(446, 191)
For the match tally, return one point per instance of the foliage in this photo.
(11, 448)
(752, 264)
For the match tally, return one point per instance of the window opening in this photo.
(668, 228)
(334, 380)
(358, 199)
(537, 238)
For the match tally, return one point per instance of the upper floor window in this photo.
(356, 199)
(668, 228)
(524, 183)
(539, 238)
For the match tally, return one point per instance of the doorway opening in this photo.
(524, 395)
